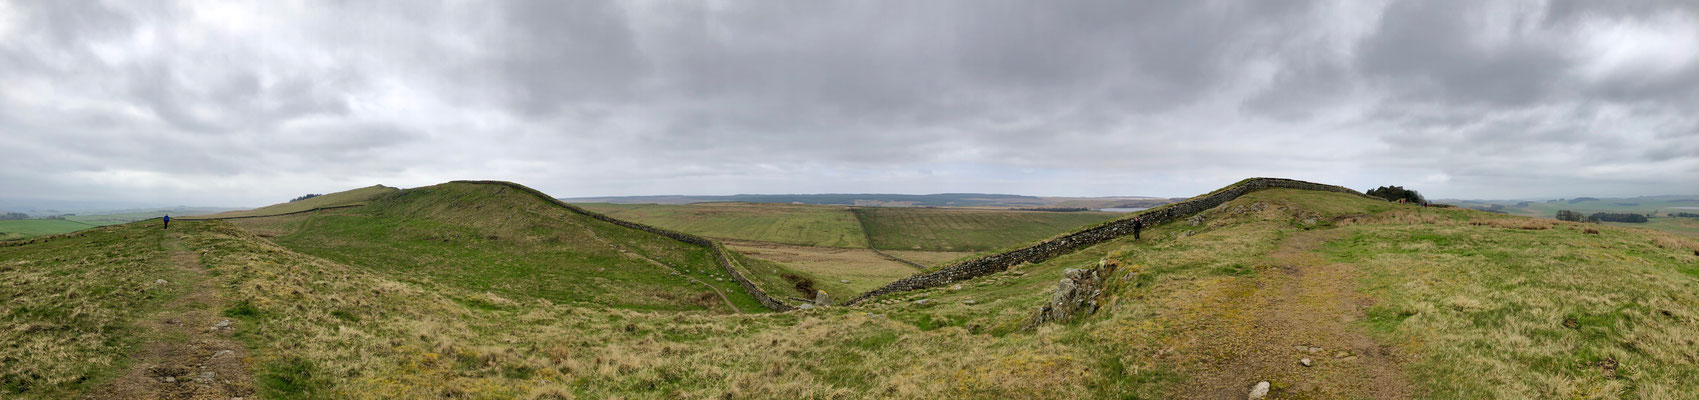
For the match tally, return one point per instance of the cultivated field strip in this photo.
(862, 221)
(1100, 233)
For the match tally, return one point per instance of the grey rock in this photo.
(1314, 350)
(206, 377)
(822, 299)
(222, 353)
(1304, 362)
(168, 379)
(923, 302)
(843, 280)
(222, 324)
(1258, 391)
(160, 282)
(970, 302)
(805, 306)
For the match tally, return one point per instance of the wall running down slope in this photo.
(1091, 236)
(718, 250)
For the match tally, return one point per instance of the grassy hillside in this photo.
(491, 238)
(1400, 301)
(1387, 300)
(24, 228)
(943, 229)
(349, 197)
(806, 225)
(71, 306)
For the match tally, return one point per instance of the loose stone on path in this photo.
(1258, 391)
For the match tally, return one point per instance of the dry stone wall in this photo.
(715, 247)
(1091, 236)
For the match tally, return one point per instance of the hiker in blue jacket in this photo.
(167, 222)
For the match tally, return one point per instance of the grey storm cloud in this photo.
(248, 103)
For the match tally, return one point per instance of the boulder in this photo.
(1076, 294)
(822, 299)
(1260, 390)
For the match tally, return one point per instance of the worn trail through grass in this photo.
(189, 354)
(1295, 306)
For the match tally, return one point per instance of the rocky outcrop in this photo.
(1077, 294)
(1100, 233)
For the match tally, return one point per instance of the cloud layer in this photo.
(246, 104)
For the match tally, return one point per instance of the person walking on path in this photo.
(1137, 225)
(168, 223)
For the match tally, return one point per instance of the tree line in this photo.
(1567, 215)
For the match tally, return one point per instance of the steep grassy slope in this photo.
(343, 198)
(806, 225)
(490, 238)
(941, 229)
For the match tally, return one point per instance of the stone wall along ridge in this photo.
(1071, 242)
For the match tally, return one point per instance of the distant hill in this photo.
(890, 200)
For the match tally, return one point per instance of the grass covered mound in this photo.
(488, 237)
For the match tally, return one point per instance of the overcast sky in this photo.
(251, 103)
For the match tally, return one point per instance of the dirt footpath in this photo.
(190, 354)
(1239, 331)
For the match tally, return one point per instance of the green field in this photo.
(350, 197)
(1686, 226)
(23, 228)
(1390, 301)
(806, 225)
(946, 229)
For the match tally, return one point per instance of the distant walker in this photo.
(167, 222)
(1137, 225)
